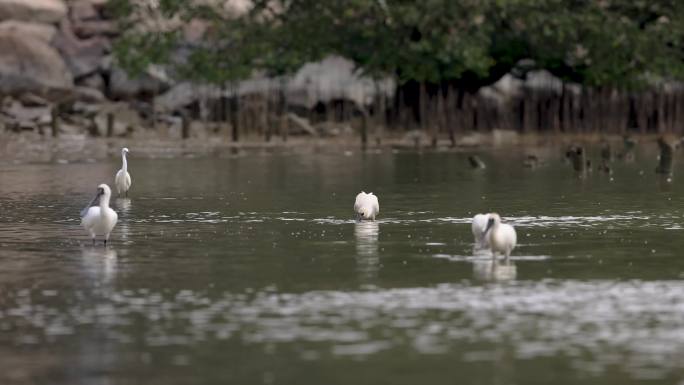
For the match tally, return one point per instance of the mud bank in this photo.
(82, 148)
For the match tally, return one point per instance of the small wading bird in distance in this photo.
(366, 206)
(122, 181)
(476, 162)
(98, 218)
(500, 236)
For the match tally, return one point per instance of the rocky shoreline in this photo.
(60, 80)
(58, 76)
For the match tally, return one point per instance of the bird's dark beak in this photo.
(93, 202)
(490, 223)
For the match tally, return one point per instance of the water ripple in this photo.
(634, 323)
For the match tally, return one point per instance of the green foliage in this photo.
(135, 53)
(620, 43)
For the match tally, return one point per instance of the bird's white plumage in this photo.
(500, 236)
(100, 219)
(122, 180)
(479, 228)
(366, 206)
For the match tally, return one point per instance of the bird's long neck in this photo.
(104, 200)
(124, 163)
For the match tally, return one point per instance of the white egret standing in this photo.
(479, 228)
(366, 206)
(122, 181)
(98, 218)
(500, 236)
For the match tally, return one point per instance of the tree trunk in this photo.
(235, 113)
(54, 122)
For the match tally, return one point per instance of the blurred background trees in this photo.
(473, 43)
(438, 51)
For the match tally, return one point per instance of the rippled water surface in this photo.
(251, 270)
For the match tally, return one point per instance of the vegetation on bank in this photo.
(441, 52)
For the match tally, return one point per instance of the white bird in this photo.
(98, 218)
(479, 228)
(500, 236)
(366, 206)
(122, 181)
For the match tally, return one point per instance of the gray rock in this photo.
(185, 93)
(86, 94)
(416, 138)
(83, 57)
(98, 4)
(33, 66)
(40, 11)
(86, 109)
(299, 125)
(106, 64)
(86, 29)
(32, 100)
(94, 81)
(125, 119)
(122, 86)
(21, 113)
(332, 129)
(334, 78)
(82, 11)
(44, 32)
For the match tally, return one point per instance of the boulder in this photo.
(184, 94)
(125, 119)
(82, 11)
(416, 138)
(98, 4)
(86, 94)
(334, 78)
(94, 81)
(332, 129)
(83, 57)
(33, 66)
(23, 114)
(44, 32)
(31, 100)
(86, 29)
(86, 109)
(543, 80)
(40, 11)
(299, 125)
(122, 86)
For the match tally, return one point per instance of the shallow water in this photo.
(250, 269)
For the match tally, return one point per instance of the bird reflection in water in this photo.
(488, 270)
(367, 259)
(99, 263)
(124, 206)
